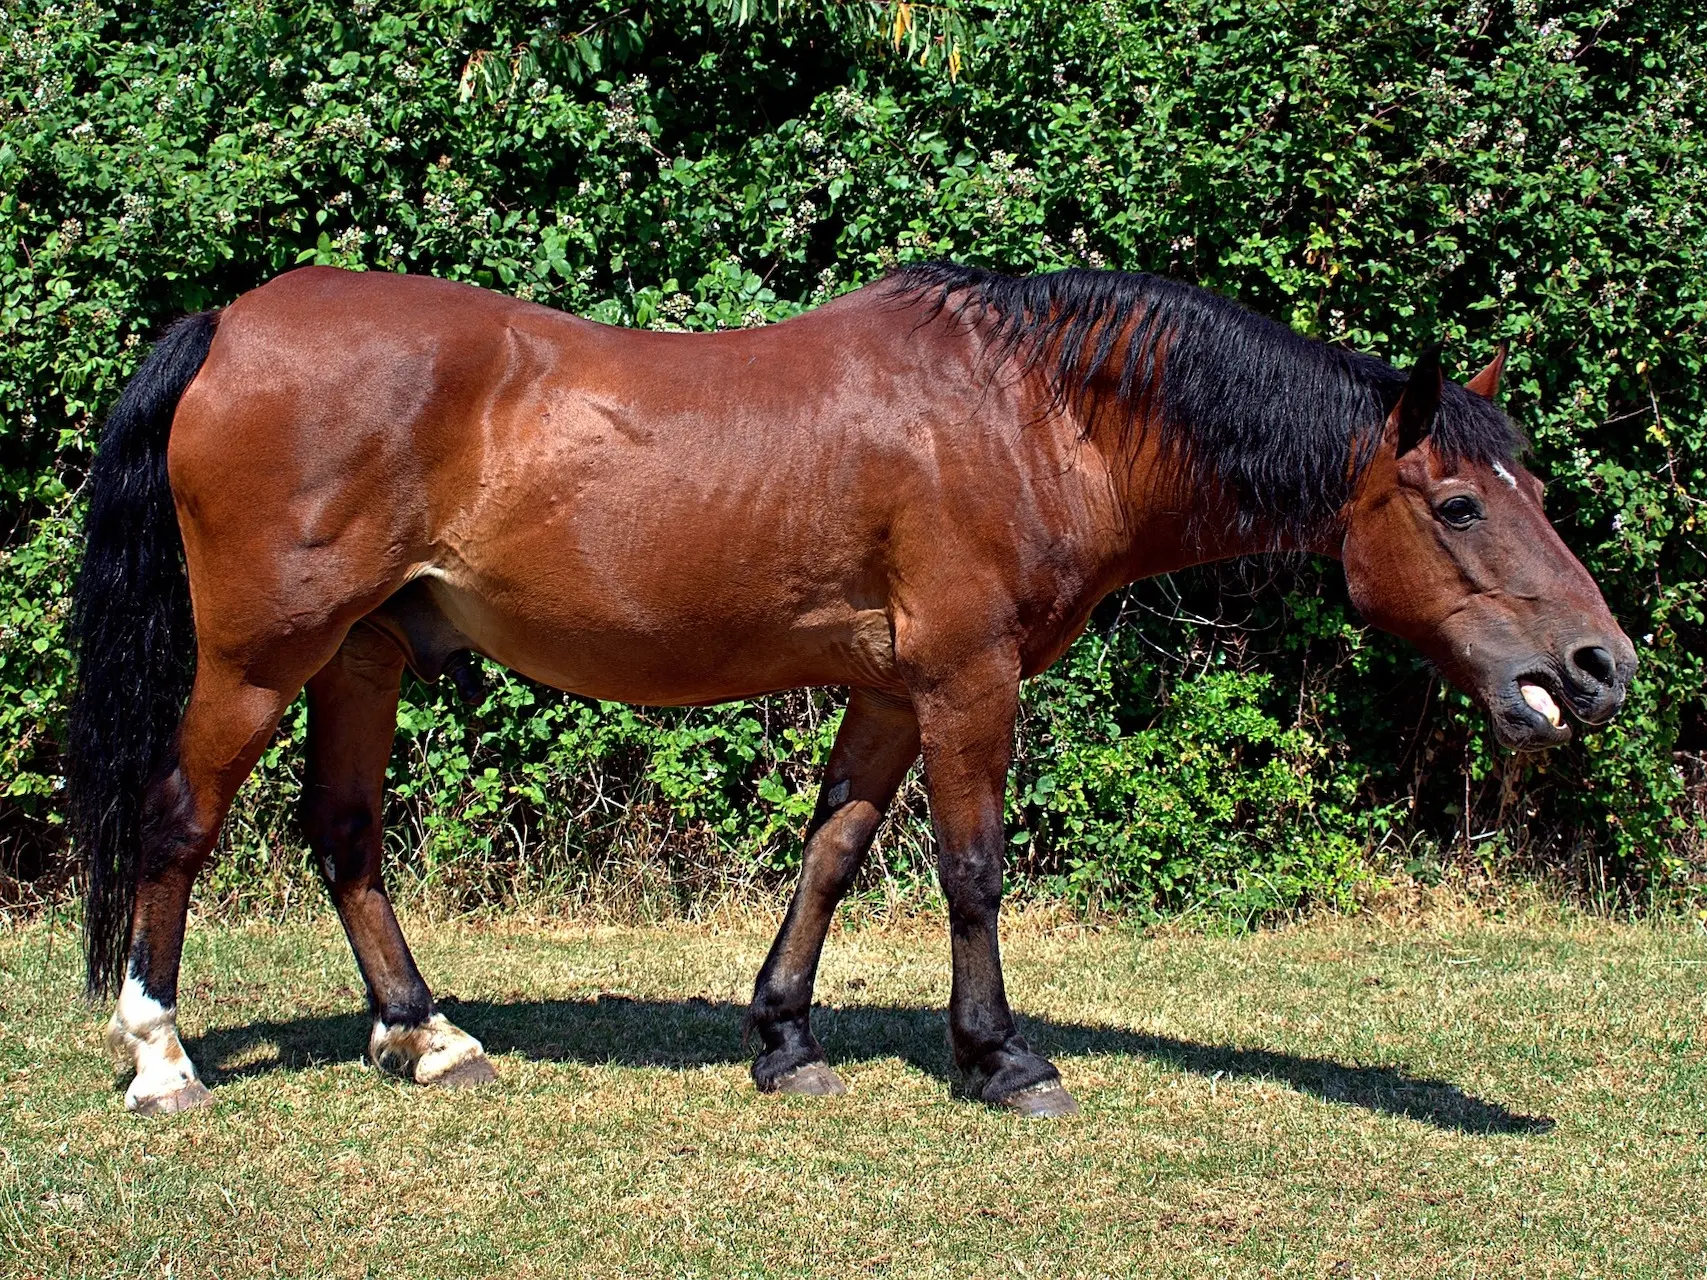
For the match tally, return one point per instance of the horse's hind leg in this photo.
(225, 727)
(877, 744)
(352, 718)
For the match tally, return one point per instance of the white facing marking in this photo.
(143, 1037)
(1503, 474)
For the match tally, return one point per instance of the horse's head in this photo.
(1458, 558)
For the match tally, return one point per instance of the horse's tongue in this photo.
(1541, 701)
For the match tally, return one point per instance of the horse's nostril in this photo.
(1596, 663)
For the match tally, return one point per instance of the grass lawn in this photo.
(1345, 1099)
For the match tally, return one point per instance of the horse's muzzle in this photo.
(1589, 679)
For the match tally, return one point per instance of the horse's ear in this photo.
(1414, 415)
(1487, 383)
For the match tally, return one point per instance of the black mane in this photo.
(1284, 424)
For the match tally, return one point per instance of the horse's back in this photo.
(347, 360)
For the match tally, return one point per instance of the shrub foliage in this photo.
(1381, 174)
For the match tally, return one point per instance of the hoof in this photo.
(436, 1052)
(465, 1075)
(1047, 1100)
(813, 1080)
(187, 1097)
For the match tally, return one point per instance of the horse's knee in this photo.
(972, 882)
(841, 856)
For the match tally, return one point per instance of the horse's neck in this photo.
(1174, 523)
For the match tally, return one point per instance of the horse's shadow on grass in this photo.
(691, 1033)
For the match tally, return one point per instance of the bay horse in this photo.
(918, 491)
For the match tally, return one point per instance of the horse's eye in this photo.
(1460, 512)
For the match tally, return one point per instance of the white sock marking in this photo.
(143, 1037)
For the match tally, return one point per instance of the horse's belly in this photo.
(674, 656)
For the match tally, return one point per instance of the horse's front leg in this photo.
(966, 721)
(875, 746)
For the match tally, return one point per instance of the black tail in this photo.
(131, 626)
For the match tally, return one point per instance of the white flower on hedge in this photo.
(138, 208)
(353, 127)
(800, 221)
(622, 119)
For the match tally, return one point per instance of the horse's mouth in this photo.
(1529, 713)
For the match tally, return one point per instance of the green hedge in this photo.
(1378, 173)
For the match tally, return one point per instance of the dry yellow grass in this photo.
(1345, 1099)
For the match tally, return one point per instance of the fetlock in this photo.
(997, 1075)
(788, 1046)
